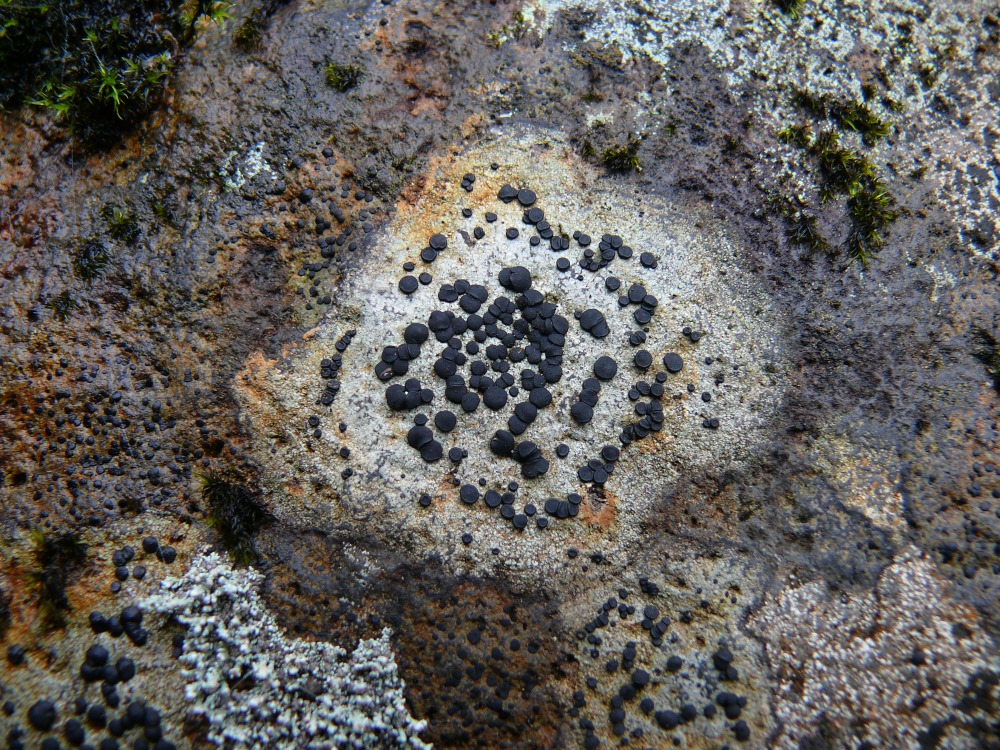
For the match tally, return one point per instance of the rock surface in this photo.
(193, 327)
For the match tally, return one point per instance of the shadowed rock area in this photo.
(544, 373)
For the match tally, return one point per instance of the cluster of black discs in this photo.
(525, 330)
(483, 342)
(642, 675)
(95, 718)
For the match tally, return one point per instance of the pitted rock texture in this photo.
(895, 666)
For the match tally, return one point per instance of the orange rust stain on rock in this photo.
(599, 512)
(472, 125)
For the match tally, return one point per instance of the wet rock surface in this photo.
(770, 446)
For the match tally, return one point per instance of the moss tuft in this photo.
(236, 514)
(624, 157)
(791, 8)
(986, 349)
(98, 65)
(859, 118)
(215, 11)
(856, 116)
(796, 135)
(843, 170)
(121, 222)
(62, 305)
(55, 557)
(800, 226)
(91, 260)
(249, 35)
(870, 205)
(343, 77)
(871, 209)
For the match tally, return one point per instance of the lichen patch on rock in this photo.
(697, 286)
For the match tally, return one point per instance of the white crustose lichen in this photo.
(258, 688)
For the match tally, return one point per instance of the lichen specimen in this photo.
(257, 688)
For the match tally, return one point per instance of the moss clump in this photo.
(343, 77)
(791, 8)
(249, 35)
(859, 118)
(236, 514)
(870, 205)
(624, 157)
(121, 222)
(91, 260)
(99, 65)
(796, 135)
(872, 208)
(800, 225)
(986, 349)
(216, 11)
(55, 557)
(893, 105)
(62, 305)
(843, 170)
(856, 116)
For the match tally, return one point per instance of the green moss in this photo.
(623, 157)
(870, 205)
(121, 223)
(849, 115)
(214, 11)
(859, 118)
(62, 305)
(235, 514)
(872, 208)
(791, 8)
(91, 260)
(56, 557)
(249, 34)
(986, 349)
(817, 106)
(796, 135)
(343, 77)
(843, 170)
(98, 65)
(893, 105)
(800, 226)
